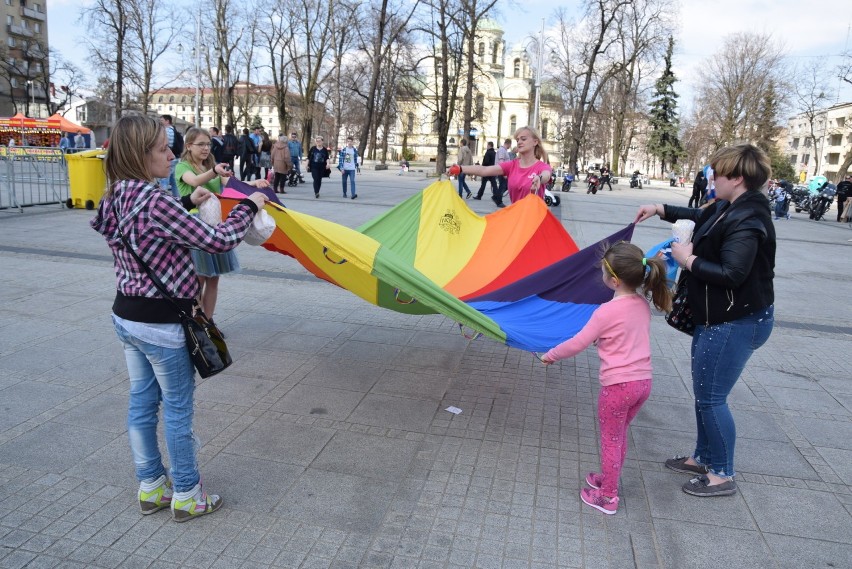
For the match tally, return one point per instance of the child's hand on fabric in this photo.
(546, 361)
(259, 183)
(200, 195)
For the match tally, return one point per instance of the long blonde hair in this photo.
(189, 139)
(540, 152)
(133, 136)
(626, 261)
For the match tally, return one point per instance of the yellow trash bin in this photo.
(86, 178)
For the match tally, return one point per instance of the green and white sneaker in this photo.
(155, 496)
(193, 504)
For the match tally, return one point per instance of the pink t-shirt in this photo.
(622, 328)
(520, 179)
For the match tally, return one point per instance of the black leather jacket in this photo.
(732, 274)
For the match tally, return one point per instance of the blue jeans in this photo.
(167, 375)
(351, 175)
(719, 355)
(462, 184)
(297, 165)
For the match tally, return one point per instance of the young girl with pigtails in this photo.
(622, 330)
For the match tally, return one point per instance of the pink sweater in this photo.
(622, 328)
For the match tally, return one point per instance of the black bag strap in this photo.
(154, 279)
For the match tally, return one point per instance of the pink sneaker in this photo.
(594, 480)
(598, 501)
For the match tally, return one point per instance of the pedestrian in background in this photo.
(347, 164)
(465, 158)
(699, 186)
(488, 159)
(295, 148)
(844, 192)
(281, 164)
(218, 145)
(248, 151)
(161, 231)
(318, 163)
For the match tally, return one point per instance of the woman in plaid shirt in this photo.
(161, 231)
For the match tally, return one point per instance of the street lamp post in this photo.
(198, 69)
(31, 87)
(538, 77)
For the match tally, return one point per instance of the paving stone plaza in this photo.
(329, 441)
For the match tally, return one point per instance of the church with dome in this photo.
(503, 101)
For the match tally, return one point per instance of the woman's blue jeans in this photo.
(167, 375)
(719, 355)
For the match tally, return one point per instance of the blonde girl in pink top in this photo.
(527, 174)
(622, 330)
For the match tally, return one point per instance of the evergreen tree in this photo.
(766, 129)
(663, 142)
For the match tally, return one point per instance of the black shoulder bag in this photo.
(680, 318)
(204, 341)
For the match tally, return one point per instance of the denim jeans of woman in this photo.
(167, 375)
(719, 355)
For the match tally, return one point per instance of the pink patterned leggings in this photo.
(618, 404)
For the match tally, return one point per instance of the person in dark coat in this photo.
(699, 186)
(488, 159)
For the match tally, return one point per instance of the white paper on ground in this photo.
(453, 410)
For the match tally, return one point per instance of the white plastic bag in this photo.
(261, 229)
(210, 211)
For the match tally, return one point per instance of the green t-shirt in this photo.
(214, 185)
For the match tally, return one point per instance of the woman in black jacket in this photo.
(731, 264)
(318, 163)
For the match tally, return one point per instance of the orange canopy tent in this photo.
(19, 121)
(68, 126)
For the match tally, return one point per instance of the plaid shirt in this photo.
(161, 232)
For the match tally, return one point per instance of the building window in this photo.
(37, 27)
(160, 100)
(544, 124)
(841, 121)
(833, 159)
(795, 143)
(410, 123)
(479, 109)
(481, 51)
(513, 124)
(171, 100)
(836, 140)
(25, 24)
(434, 122)
(517, 67)
(439, 68)
(805, 159)
(10, 20)
(10, 41)
(494, 54)
(13, 82)
(794, 159)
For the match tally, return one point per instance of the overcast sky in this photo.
(808, 30)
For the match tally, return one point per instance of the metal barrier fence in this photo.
(32, 176)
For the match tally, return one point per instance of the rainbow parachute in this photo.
(514, 275)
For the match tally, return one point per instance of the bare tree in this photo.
(153, 30)
(109, 42)
(65, 79)
(28, 61)
(309, 51)
(812, 96)
(391, 21)
(472, 12)
(445, 42)
(735, 81)
(586, 62)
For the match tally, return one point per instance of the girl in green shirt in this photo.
(197, 168)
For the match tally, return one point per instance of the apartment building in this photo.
(24, 80)
(817, 147)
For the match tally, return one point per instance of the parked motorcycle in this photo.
(594, 184)
(822, 201)
(636, 180)
(801, 199)
(567, 180)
